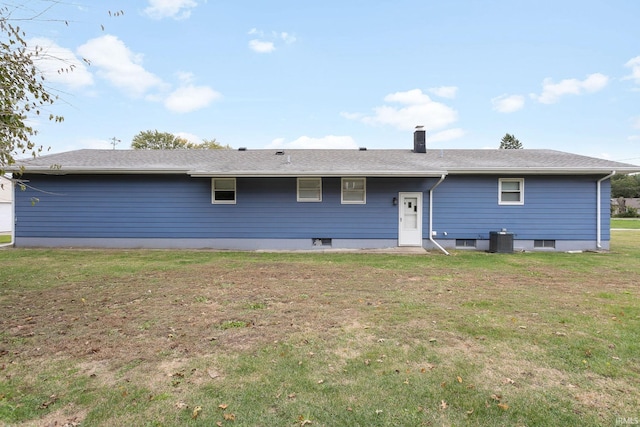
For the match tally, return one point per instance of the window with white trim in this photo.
(511, 191)
(223, 191)
(309, 189)
(354, 190)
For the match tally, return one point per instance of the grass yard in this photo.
(5, 238)
(628, 223)
(199, 338)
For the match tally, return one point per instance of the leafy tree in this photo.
(211, 144)
(625, 186)
(22, 92)
(510, 142)
(154, 140)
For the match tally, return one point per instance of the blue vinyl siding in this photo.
(142, 206)
(176, 206)
(555, 208)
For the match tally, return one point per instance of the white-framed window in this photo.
(354, 190)
(223, 191)
(511, 191)
(309, 189)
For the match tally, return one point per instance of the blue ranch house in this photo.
(315, 199)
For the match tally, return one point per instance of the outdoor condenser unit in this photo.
(501, 242)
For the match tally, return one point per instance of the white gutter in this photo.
(324, 174)
(537, 171)
(431, 215)
(599, 210)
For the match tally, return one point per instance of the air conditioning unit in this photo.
(500, 242)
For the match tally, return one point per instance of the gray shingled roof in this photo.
(321, 162)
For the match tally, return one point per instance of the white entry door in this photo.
(410, 219)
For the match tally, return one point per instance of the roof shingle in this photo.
(320, 162)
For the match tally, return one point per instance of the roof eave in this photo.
(266, 174)
(541, 171)
(101, 171)
(315, 173)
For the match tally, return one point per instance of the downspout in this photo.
(431, 215)
(13, 212)
(599, 210)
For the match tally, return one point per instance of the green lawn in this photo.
(629, 223)
(5, 238)
(203, 338)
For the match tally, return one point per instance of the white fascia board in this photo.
(105, 171)
(275, 174)
(539, 171)
(208, 174)
(373, 174)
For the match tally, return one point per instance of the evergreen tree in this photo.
(510, 142)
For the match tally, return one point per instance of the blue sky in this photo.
(561, 75)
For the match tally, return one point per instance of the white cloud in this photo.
(266, 43)
(190, 98)
(330, 141)
(185, 76)
(444, 91)
(261, 46)
(414, 97)
(189, 137)
(59, 64)
(176, 9)
(119, 66)
(416, 109)
(446, 135)
(552, 92)
(352, 116)
(634, 64)
(122, 68)
(595, 82)
(635, 122)
(508, 103)
(287, 38)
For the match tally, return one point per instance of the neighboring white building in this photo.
(6, 208)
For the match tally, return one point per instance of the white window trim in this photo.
(519, 202)
(213, 192)
(364, 191)
(307, 199)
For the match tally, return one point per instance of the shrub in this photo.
(630, 213)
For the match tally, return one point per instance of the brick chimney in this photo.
(420, 140)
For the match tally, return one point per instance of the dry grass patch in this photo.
(337, 339)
